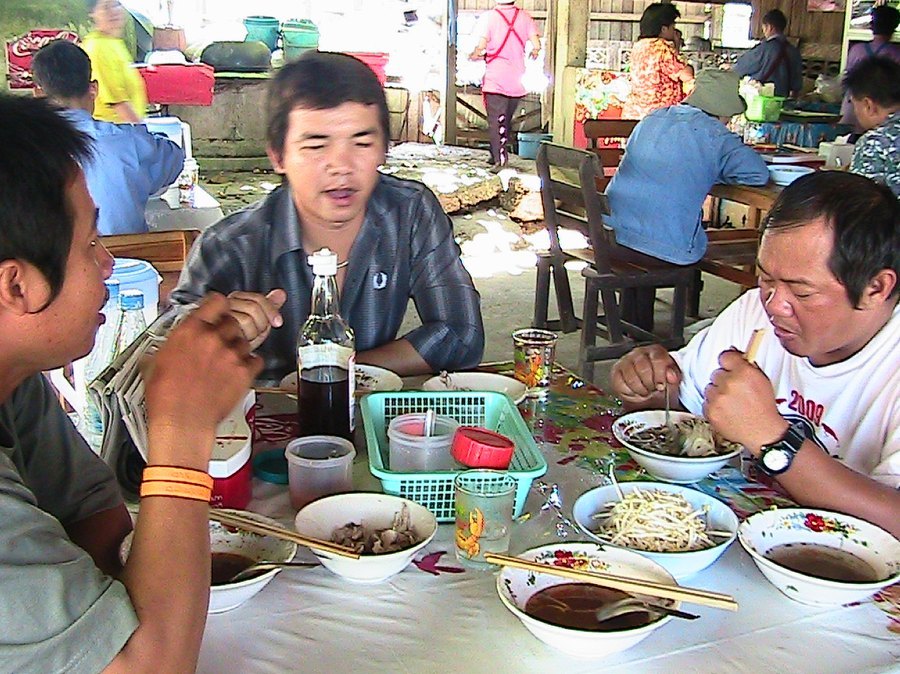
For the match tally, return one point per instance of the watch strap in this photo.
(789, 443)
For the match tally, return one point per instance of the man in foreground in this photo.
(820, 408)
(673, 157)
(129, 163)
(774, 59)
(327, 134)
(68, 603)
(874, 89)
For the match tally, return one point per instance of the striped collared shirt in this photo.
(405, 249)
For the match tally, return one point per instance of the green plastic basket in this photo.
(764, 108)
(494, 411)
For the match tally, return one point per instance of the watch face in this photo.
(776, 460)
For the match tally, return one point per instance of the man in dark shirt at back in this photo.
(774, 59)
(327, 133)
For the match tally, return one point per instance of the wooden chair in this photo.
(610, 157)
(613, 274)
(166, 250)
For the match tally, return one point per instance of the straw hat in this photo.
(716, 93)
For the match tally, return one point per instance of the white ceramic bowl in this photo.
(254, 546)
(478, 381)
(785, 175)
(372, 511)
(516, 586)
(677, 469)
(719, 517)
(762, 532)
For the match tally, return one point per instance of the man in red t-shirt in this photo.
(502, 36)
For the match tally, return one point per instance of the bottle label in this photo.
(319, 355)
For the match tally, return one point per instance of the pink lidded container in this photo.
(480, 448)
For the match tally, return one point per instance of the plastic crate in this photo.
(494, 411)
(764, 108)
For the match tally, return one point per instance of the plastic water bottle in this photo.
(325, 358)
(98, 359)
(132, 323)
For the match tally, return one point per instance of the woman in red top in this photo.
(659, 76)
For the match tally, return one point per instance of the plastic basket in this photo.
(764, 108)
(494, 411)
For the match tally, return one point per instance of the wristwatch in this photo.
(776, 458)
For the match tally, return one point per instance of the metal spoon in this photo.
(262, 567)
(669, 423)
(635, 605)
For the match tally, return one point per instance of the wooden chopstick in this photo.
(634, 585)
(247, 524)
(753, 345)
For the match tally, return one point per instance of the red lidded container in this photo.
(480, 448)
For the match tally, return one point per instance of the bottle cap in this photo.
(112, 287)
(131, 299)
(323, 262)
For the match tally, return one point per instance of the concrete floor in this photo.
(507, 303)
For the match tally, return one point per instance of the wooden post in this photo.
(572, 17)
(450, 21)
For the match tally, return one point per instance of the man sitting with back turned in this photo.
(327, 133)
(820, 408)
(673, 157)
(774, 59)
(874, 89)
(129, 163)
(68, 603)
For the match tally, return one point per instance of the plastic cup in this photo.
(411, 451)
(534, 352)
(484, 508)
(318, 465)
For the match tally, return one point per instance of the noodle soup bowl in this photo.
(373, 512)
(823, 535)
(516, 586)
(676, 469)
(250, 546)
(681, 564)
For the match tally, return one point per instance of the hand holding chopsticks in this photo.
(247, 524)
(633, 585)
(753, 345)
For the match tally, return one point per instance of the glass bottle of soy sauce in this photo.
(325, 357)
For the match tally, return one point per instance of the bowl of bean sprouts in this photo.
(681, 529)
(683, 451)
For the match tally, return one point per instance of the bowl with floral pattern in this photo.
(517, 586)
(819, 557)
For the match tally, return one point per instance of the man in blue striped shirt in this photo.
(327, 134)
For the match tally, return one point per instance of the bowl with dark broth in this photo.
(819, 557)
(234, 550)
(562, 612)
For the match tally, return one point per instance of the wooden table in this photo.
(436, 616)
(758, 198)
(731, 253)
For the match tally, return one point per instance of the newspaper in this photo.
(118, 392)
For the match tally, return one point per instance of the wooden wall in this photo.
(811, 28)
(618, 19)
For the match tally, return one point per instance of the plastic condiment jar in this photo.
(480, 448)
